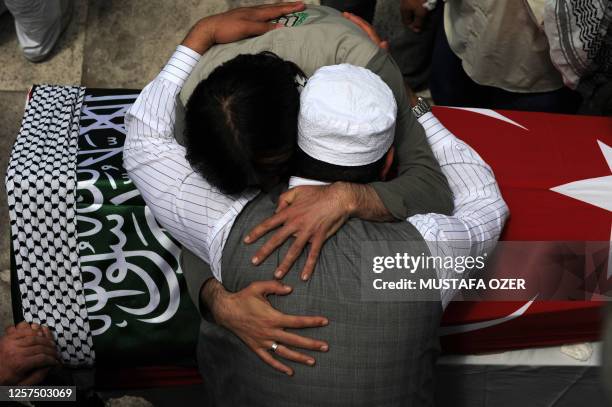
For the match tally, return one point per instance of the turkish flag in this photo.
(555, 174)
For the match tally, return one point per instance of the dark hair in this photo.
(308, 167)
(241, 122)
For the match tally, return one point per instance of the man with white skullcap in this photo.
(380, 353)
(347, 121)
(373, 353)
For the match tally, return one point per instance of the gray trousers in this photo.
(39, 24)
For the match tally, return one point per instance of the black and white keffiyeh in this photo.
(41, 188)
(579, 33)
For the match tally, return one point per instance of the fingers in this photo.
(272, 11)
(269, 359)
(42, 349)
(292, 255)
(285, 200)
(22, 326)
(271, 287)
(39, 361)
(303, 342)
(10, 330)
(254, 28)
(33, 340)
(313, 256)
(272, 244)
(47, 332)
(35, 377)
(264, 227)
(369, 30)
(286, 353)
(297, 322)
(365, 26)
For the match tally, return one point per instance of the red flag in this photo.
(555, 173)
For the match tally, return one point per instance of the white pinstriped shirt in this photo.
(200, 217)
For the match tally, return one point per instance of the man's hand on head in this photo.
(237, 24)
(249, 315)
(368, 29)
(312, 214)
(27, 353)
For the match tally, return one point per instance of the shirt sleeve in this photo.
(420, 186)
(183, 202)
(480, 211)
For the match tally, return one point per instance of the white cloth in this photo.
(200, 217)
(501, 45)
(347, 116)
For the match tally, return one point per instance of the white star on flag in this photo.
(594, 191)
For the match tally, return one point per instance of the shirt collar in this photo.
(299, 181)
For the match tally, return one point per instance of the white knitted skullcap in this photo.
(347, 116)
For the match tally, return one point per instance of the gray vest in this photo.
(381, 353)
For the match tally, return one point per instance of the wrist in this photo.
(201, 36)
(349, 197)
(214, 295)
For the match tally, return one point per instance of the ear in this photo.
(388, 162)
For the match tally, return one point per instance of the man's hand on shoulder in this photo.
(249, 315)
(312, 214)
(237, 24)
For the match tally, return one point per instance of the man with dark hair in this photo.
(157, 163)
(192, 208)
(228, 134)
(380, 353)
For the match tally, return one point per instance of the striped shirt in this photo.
(200, 216)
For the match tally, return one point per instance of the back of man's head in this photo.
(241, 122)
(346, 125)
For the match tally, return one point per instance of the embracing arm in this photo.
(480, 210)
(314, 213)
(420, 185)
(181, 199)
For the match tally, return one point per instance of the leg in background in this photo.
(39, 24)
(413, 51)
(449, 84)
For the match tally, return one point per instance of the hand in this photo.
(27, 353)
(250, 316)
(237, 24)
(369, 30)
(413, 14)
(311, 214)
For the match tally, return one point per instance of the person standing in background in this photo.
(39, 24)
(495, 54)
(410, 46)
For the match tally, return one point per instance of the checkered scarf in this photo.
(41, 188)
